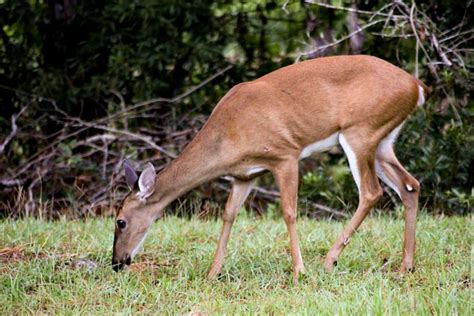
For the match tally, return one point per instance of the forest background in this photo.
(85, 84)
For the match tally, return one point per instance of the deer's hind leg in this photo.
(392, 173)
(361, 155)
(240, 191)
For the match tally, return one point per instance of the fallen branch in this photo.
(275, 194)
(329, 210)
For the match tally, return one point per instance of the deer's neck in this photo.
(198, 163)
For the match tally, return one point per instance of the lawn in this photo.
(44, 268)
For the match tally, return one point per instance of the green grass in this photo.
(168, 276)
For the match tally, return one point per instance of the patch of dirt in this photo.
(78, 264)
(466, 282)
(11, 254)
(15, 254)
(143, 265)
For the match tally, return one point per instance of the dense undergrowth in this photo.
(85, 84)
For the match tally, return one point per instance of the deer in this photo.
(267, 125)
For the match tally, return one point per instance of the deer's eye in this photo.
(121, 223)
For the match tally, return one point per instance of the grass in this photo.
(39, 274)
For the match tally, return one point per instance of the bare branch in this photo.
(310, 52)
(393, 35)
(142, 138)
(13, 131)
(283, 7)
(447, 38)
(329, 6)
(169, 100)
(417, 47)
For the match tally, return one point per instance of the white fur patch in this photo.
(382, 176)
(352, 159)
(135, 250)
(247, 191)
(421, 96)
(385, 145)
(254, 170)
(320, 146)
(387, 142)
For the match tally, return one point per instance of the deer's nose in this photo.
(118, 265)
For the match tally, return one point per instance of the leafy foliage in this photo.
(71, 71)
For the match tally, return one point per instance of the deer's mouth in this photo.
(118, 265)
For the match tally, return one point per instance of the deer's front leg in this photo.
(287, 179)
(240, 191)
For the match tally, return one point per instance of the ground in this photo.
(64, 267)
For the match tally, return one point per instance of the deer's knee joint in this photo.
(373, 196)
(289, 216)
(229, 217)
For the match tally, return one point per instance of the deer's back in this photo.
(311, 100)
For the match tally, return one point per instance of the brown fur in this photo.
(267, 123)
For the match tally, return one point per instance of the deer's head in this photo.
(135, 215)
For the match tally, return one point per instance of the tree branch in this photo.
(13, 131)
(329, 6)
(310, 52)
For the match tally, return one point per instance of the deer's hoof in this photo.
(213, 273)
(407, 268)
(329, 264)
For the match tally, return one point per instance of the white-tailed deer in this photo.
(268, 124)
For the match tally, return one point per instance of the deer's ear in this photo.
(130, 174)
(146, 182)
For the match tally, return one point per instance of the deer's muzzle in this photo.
(118, 265)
